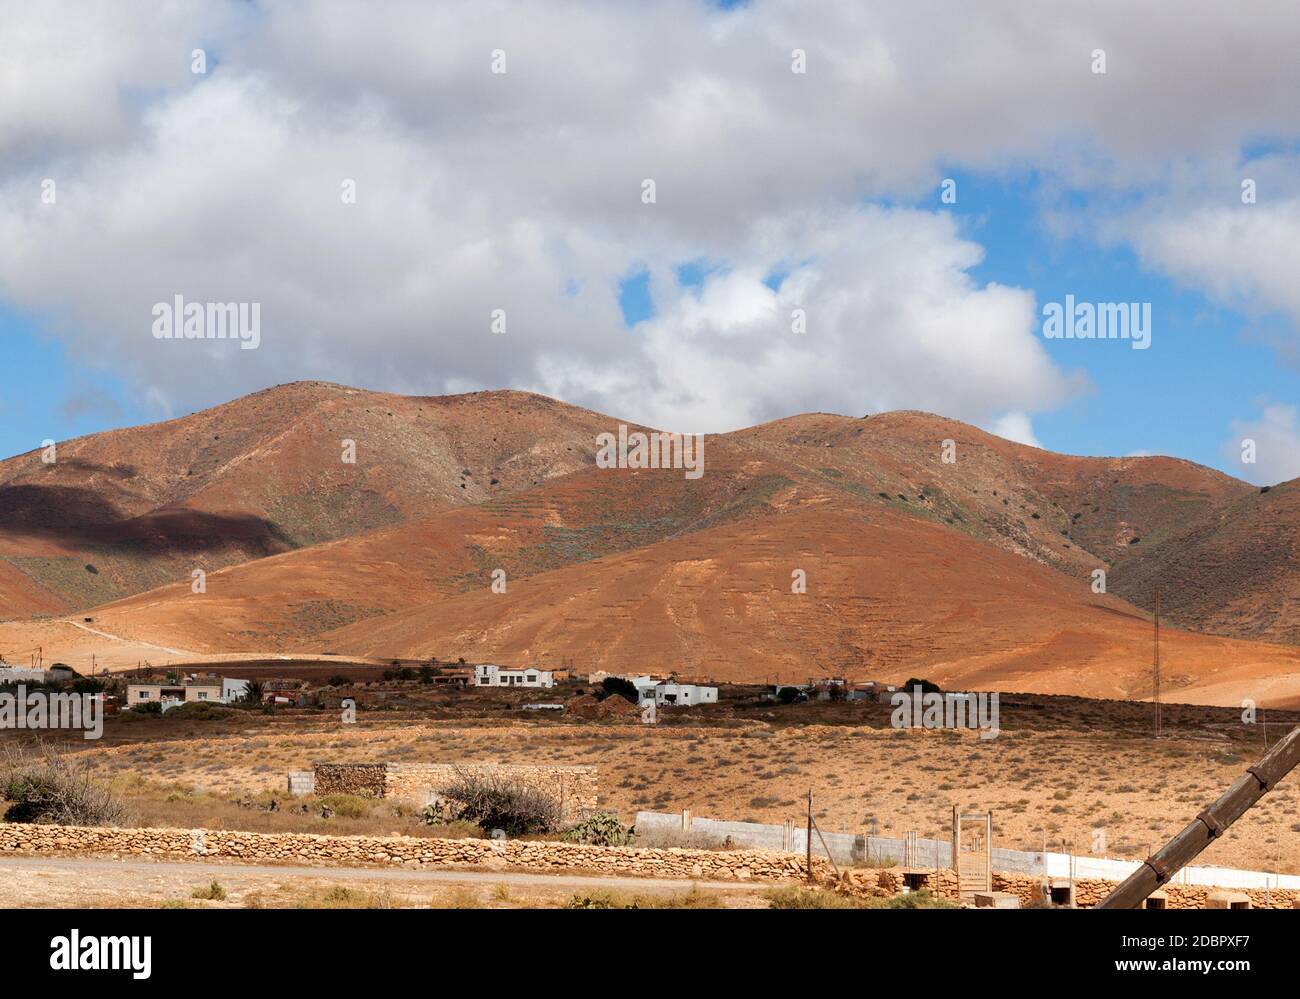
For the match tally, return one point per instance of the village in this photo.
(357, 759)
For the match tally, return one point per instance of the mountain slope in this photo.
(125, 511)
(888, 596)
(1238, 573)
(974, 571)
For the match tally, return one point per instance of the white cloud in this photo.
(478, 191)
(1203, 234)
(1015, 426)
(1276, 438)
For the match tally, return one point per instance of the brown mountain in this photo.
(1235, 573)
(125, 511)
(975, 572)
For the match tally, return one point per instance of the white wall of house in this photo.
(685, 694)
(16, 674)
(495, 676)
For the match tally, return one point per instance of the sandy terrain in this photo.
(1044, 781)
(77, 882)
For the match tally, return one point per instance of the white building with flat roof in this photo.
(487, 675)
(685, 694)
(663, 692)
(19, 674)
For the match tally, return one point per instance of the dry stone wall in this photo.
(543, 857)
(1089, 892)
(365, 779)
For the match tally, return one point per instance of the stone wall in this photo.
(1088, 892)
(365, 779)
(543, 857)
(403, 851)
(574, 787)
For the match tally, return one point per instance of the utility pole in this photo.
(1157, 663)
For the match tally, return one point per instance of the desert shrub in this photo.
(493, 802)
(600, 829)
(349, 806)
(786, 695)
(920, 899)
(661, 838)
(52, 790)
(147, 708)
(618, 685)
(212, 892)
(691, 899)
(337, 681)
(200, 711)
(808, 898)
(599, 900)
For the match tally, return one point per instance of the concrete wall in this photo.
(848, 848)
(301, 782)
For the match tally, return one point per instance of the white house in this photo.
(663, 692)
(18, 674)
(645, 688)
(233, 690)
(495, 676)
(684, 694)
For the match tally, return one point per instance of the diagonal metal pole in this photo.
(1247, 789)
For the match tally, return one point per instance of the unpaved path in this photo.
(128, 641)
(99, 881)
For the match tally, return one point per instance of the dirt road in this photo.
(94, 882)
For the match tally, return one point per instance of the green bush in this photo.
(349, 806)
(617, 685)
(147, 708)
(927, 687)
(600, 829)
(200, 711)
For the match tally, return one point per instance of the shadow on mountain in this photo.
(76, 516)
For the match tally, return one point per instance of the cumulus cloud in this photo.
(1228, 228)
(1015, 426)
(522, 191)
(1274, 437)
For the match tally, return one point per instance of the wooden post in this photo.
(956, 838)
(808, 838)
(1211, 823)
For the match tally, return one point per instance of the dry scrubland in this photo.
(1060, 768)
(231, 887)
